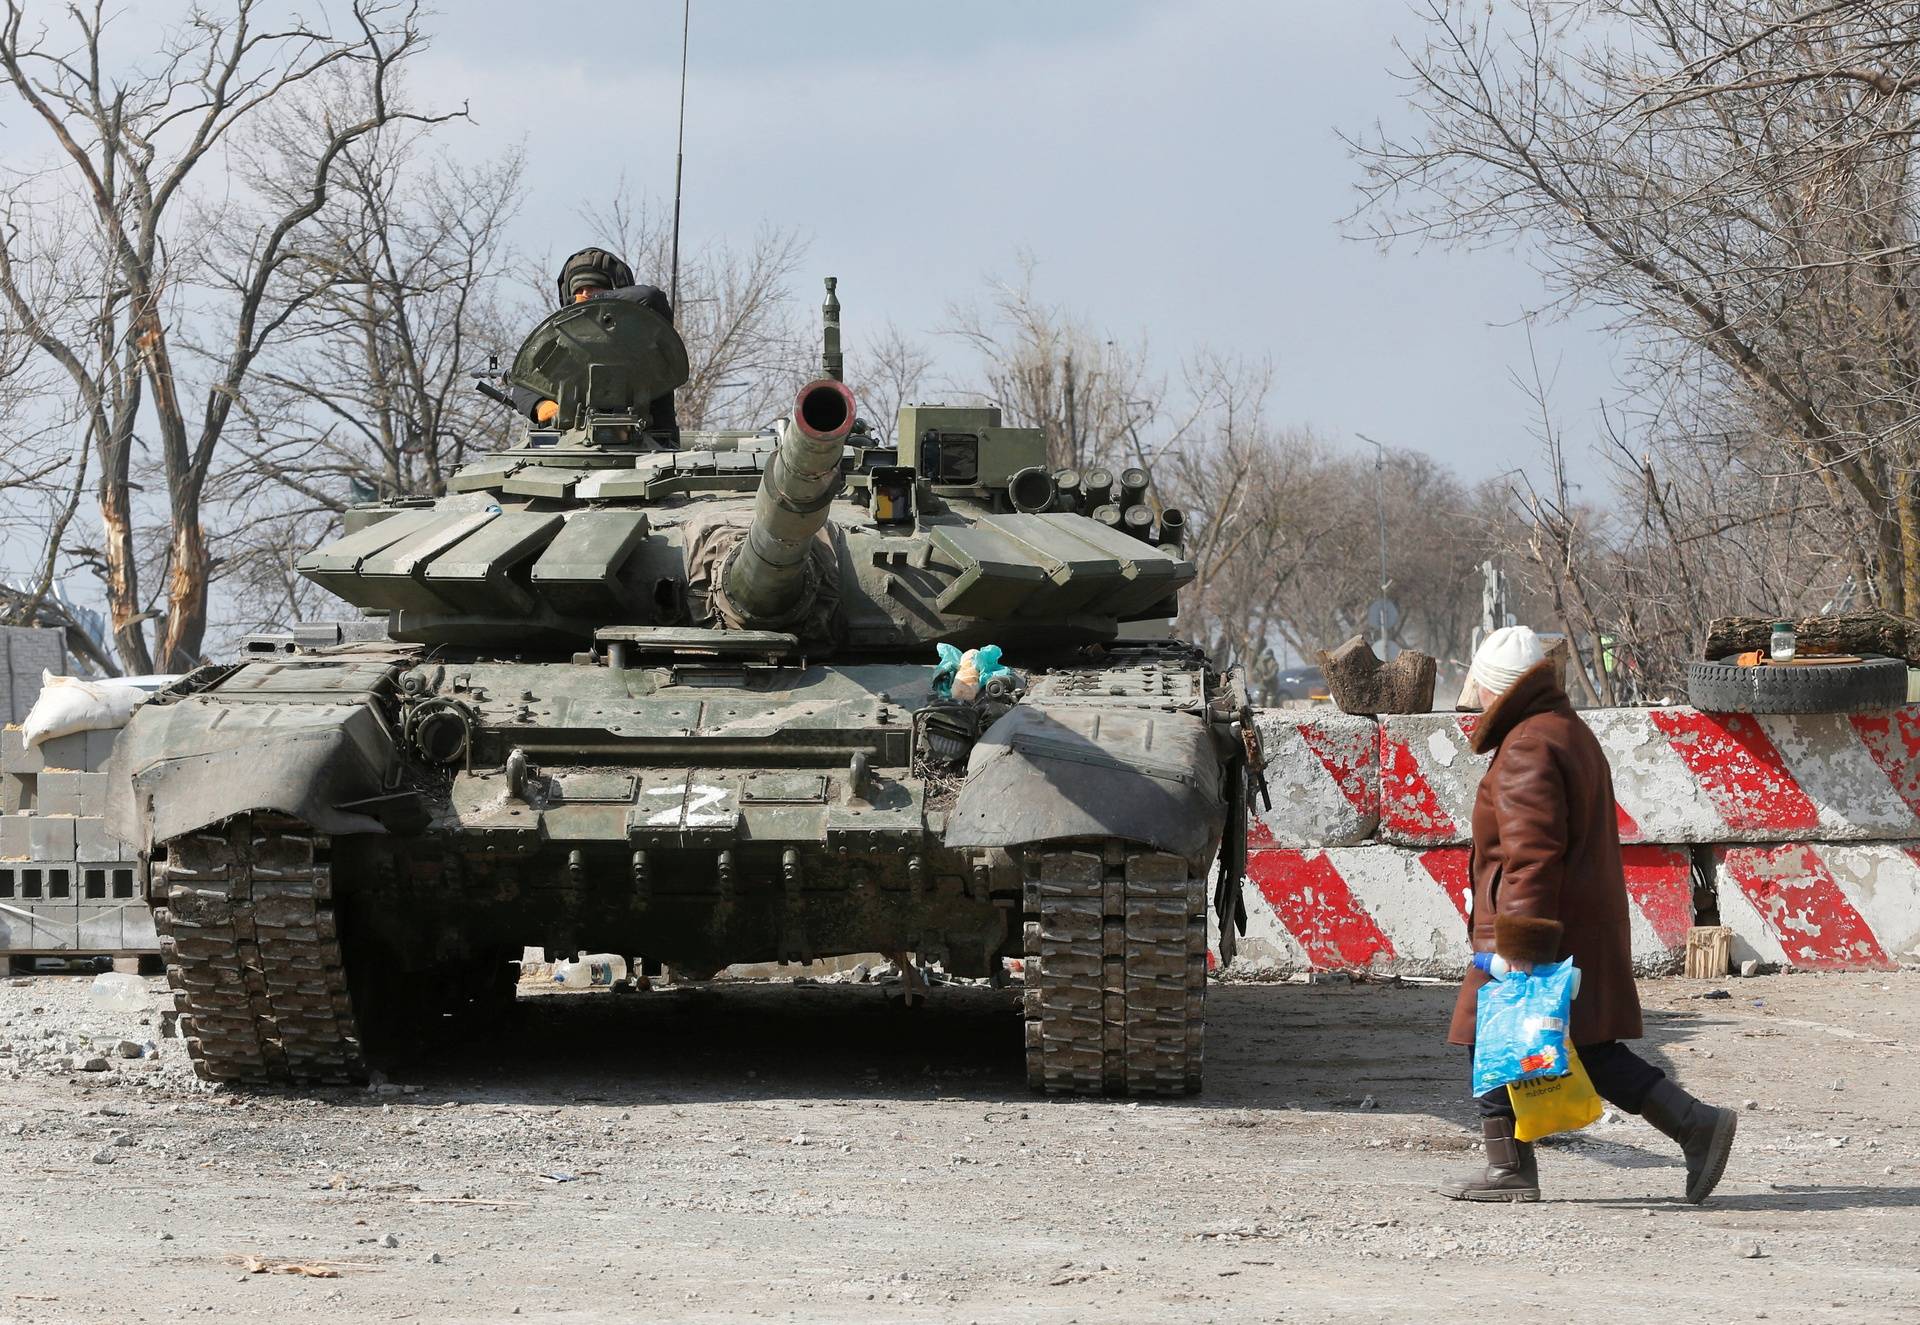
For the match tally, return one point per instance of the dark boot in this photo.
(1705, 1134)
(1511, 1173)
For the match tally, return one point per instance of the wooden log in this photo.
(1709, 952)
(1360, 683)
(1850, 632)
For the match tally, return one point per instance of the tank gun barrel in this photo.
(766, 580)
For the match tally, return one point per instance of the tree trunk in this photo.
(123, 578)
(1854, 632)
(188, 574)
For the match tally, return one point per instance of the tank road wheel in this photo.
(246, 927)
(1116, 962)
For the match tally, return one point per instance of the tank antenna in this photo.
(679, 158)
(832, 363)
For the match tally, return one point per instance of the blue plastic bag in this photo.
(1520, 1027)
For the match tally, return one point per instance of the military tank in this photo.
(672, 694)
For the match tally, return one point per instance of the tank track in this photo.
(1116, 969)
(246, 926)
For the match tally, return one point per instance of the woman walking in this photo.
(1547, 884)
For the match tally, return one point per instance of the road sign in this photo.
(1383, 614)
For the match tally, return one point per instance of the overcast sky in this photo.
(1174, 169)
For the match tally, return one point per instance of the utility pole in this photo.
(1073, 426)
(1380, 514)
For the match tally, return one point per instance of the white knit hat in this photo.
(1502, 657)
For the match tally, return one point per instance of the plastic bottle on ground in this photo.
(590, 970)
(118, 991)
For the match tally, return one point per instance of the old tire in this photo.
(1874, 683)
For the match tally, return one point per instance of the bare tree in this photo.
(888, 370)
(747, 344)
(403, 291)
(1284, 532)
(1729, 178)
(1092, 397)
(178, 298)
(369, 388)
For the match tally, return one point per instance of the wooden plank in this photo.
(1709, 952)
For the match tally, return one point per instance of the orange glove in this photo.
(545, 411)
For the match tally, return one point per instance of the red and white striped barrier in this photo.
(1322, 777)
(1822, 907)
(1397, 911)
(1684, 776)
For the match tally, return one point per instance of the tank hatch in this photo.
(604, 361)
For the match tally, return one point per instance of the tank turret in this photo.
(766, 578)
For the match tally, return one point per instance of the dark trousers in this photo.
(1620, 1077)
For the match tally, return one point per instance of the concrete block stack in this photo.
(28, 652)
(1801, 833)
(66, 884)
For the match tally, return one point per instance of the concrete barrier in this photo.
(1684, 776)
(1322, 776)
(1822, 906)
(1403, 911)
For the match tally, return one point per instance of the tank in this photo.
(673, 694)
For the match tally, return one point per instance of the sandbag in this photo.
(68, 704)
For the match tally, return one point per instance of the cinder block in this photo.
(35, 649)
(84, 752)
(15, 756)
(64, 792)
(54, 925)
(17, 792)
(92, 841)
(116, 927)
(36, 928)
(113, 880)
(16, 841)
(49, 839)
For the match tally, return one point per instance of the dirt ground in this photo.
(818, 1153)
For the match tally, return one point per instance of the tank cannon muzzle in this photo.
(823, 412)
(766, 578)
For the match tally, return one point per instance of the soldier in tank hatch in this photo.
(594, 273)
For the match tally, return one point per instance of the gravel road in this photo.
(819, 1153)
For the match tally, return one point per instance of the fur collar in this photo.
(1537, 691)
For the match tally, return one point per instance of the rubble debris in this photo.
(308, 1269)
(1361, 683)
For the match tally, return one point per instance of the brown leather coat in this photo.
(1546, 871)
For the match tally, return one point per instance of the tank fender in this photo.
(180, 766)
(1045, 772)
